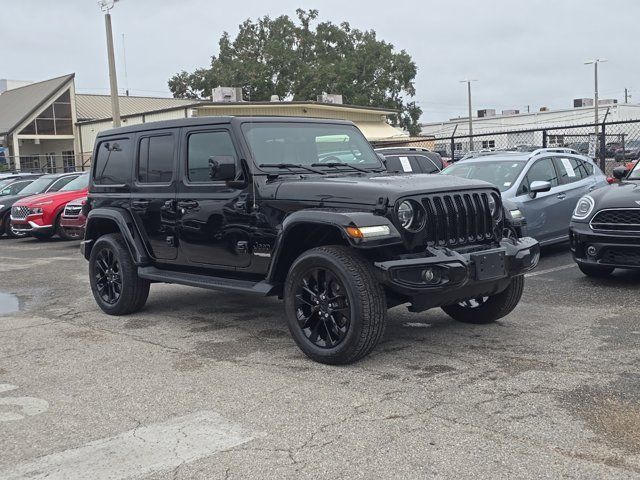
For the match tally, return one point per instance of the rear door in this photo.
(153, 193)
(575, 182)
(544, 213)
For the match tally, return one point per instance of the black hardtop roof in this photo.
(215, 120)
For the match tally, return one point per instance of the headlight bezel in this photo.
(417, 220)
(590, 202)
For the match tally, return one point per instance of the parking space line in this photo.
(550, 270)
(141, 451)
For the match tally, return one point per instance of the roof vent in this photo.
(226, 94)
(510, 112)
(330, 98)
(582, 102)
(487, 112)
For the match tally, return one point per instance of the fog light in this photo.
(591, 251)
(430, 275)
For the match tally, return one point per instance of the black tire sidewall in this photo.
(306, 262)
(128, 274)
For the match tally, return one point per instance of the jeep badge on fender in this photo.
(302, 209)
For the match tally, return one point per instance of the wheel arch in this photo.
(102, 221)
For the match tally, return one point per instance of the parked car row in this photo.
(33, 204)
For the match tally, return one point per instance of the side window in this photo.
(61, 182)
(155, 159)
(543, 171)
(17, 186)
(587, 168)
(429, 165)
(113, 162)
(569, 169)
(203, 145)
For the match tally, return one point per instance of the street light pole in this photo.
(468, 82)
(106, 6)
(595, 91)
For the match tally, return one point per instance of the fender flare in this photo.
(339, 220)
(126, 227)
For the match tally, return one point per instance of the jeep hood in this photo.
(367, 189)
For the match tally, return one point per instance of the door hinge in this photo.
(381, 206)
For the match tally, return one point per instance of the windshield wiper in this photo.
(341, 164)
(291, 166)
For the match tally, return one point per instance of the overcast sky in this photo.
(523, 52)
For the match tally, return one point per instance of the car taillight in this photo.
(611, 180)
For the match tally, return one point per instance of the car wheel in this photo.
(9, 230)
(484, 310)
(114, 279)
(336, 309)
(596, 271)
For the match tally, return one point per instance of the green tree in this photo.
(299, 60)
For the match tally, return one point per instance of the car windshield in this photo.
(8, 181)
(78, 184)
(500, 173)
(309, 144)
(635, 173)
(38, 186)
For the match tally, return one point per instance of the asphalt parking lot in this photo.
(209, 385)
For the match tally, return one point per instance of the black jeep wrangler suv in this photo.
(298, 208)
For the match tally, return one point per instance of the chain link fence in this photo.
(609, 144)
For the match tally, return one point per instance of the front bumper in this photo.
(444, 276)
(72, 223)
(30, 225)
(618, 250)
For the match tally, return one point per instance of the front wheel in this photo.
(9, 230)
(484, 310)
(336, 309)
(596, 271)
(114, 279)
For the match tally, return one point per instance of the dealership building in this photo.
(47, 126)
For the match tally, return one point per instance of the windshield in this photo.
(78, 184)
(500, 173)
(4, 183)
(309, 143)
(38, 186)
(635, 173)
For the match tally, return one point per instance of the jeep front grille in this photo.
(617, 220)
(19, 213)
(458, 218)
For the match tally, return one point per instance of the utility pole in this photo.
(106, 6)
(595, 92)
(626, 95)
(468, 82)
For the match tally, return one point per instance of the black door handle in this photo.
(140, 203)
(188, 204)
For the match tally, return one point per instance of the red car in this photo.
(73, 219)
(40, 215)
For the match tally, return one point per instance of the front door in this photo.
(214, 219)
(153, 196)
(545, 212)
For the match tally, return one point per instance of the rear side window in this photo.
(201, 147)
(429, 164)
(570, 169)
(155, 159)
(61, 182)
(113, 162)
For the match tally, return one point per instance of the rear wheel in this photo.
(596, 271)
(336, 309)
(484, 310)
(114, 279)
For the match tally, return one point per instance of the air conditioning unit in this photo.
(226, 94)
(607, 101)
(582, 102)
(330, 98)
(510, 112)
(487, 112)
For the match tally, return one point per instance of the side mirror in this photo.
(620, 172)
(537, 187)
(222, 167)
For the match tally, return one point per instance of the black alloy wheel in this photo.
(322, 308)
(108, 276)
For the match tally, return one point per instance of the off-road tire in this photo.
(8, 231)
(368, 308)
(596, 271)
(494, 308)
(135, 290)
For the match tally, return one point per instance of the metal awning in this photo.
(379, 131)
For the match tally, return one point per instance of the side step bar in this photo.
(206, 281)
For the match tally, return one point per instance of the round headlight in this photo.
(584, 207)
(406, 214)
(493, 206)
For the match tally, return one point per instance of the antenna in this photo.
(124, 60)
